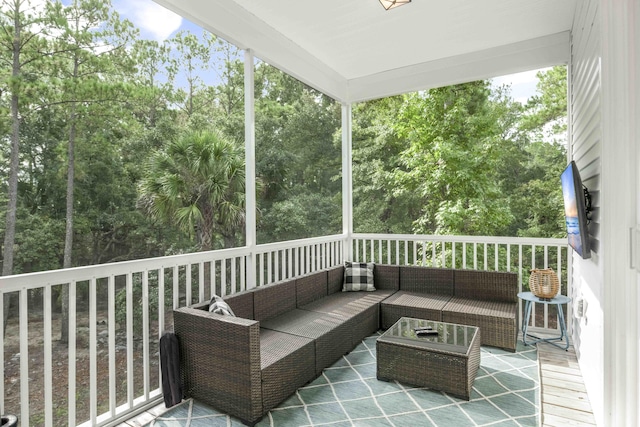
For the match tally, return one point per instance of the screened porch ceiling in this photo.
(355, 50)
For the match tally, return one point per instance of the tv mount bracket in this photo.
(587, 204)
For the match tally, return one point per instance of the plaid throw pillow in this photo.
(218, 306)
(358, 276)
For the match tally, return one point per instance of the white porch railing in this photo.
(109, 370)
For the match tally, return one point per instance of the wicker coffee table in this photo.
(447, 362)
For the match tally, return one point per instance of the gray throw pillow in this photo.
(358, 276)
(218, 306)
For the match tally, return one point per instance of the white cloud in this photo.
(155, 20)
(31, 8)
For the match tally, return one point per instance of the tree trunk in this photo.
(68, 239)
(10, 232)
(14, 165)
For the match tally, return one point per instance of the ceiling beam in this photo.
(513, 58)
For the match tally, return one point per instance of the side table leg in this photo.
(563, 327)
(525, 322)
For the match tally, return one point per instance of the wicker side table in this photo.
(447, 362)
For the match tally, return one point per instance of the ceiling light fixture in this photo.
(390, 4)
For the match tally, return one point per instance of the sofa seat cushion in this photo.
(361, 309)
(348, 304)
(287, 362)
(330, 333)
(497, 320)
(412, 304)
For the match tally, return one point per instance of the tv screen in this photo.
(575, 210)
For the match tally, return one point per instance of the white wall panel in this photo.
(605, 136)
(586, 149)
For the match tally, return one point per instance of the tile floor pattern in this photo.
(506, 392)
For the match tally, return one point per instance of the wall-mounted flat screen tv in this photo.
(575, 210)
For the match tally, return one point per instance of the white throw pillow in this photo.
(218, 306)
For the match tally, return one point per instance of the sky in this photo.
(154, 21)
(157, 23)
(523, 85)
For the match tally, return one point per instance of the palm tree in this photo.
(197, 183)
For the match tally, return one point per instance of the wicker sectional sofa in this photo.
(286, 333)
(487, 299)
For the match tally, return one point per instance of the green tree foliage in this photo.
(538, 198)
(22, 47)
(296, 159)
(197, 183)
(547, 110)
(379, 206)
(81, 88)
(464, 159)
(449, 158)
(192, 58)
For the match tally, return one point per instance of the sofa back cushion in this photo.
(241, 304)
(486, 285)
(387, 277)
(335, 279)
(427, 280)
(272, 300)
(311, 287)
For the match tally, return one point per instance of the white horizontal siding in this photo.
(585, 127)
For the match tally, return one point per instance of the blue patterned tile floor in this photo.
(506, 392)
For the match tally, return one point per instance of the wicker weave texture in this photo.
(362, 308)
(430, 367)
(486, 285)
(220, 361)
(427, 280)
(311, 287)
(365, 325)
(287, 362)
(411, 304)
(273, 300)
(497, 320)
(544, 283)
(331, 333)
(386, 277)
(241, 304)
(335, 279)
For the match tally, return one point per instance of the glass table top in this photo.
(451, 337)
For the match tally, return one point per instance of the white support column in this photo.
(250, 166)
(347, 182)
(619, 202)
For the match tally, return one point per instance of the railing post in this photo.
(250, 167)
(347, 182)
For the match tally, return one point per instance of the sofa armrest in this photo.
(220, 361)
